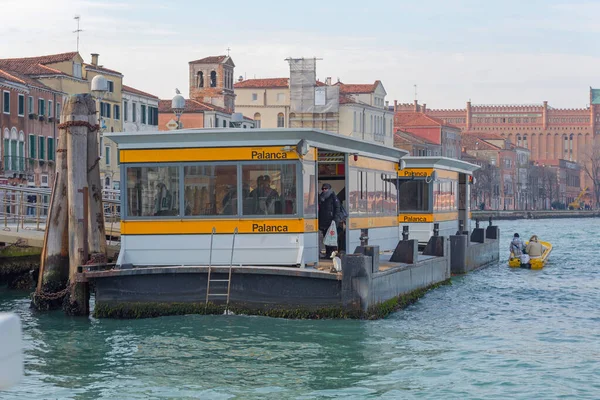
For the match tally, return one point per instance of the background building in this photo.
(67, 74)
(416, 145)
(140, 110)
(301, 101)
(212, 100)
(447, 136)
(550, 134)
(28, 125)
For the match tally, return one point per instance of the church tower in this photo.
(211, 81)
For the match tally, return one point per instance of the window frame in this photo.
(430, 200)
(5, 103)
(239, 216)
(41, 154)
(21, 113)
(125, 197)
(33, 149)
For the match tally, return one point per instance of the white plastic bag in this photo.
(524, 259)
(331, 237)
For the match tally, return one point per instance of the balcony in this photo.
(24, 165)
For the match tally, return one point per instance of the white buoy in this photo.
(11, 350)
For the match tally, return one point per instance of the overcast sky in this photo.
(502, 52)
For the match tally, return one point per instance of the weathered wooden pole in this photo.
(80, 108)
(54, 266)
(97, 230)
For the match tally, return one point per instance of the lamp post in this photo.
(99, 88)
(178, 106)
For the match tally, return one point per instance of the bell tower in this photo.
(211, 81)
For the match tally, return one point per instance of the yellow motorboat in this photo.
(533, 263)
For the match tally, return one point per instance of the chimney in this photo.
(416, 108)
(328, 81)
(387, 105)
(95, 59)
(424, 108)
(395, 105)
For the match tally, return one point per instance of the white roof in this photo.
(445, 163)
(234, 137)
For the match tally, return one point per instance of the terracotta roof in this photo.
(101, 68)
(29, 67)
(263, 83)
(129, 89)
(346, 99)
(411, 138)
(210, 60)
(357, 88)
(37, 65)
(49, 59)
(418, 119)
(16, 77)
(11, 78)
(191, 106)
(474, 142)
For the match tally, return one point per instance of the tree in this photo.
(486, 179)
(591, 167)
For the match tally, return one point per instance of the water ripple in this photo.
(496, 333)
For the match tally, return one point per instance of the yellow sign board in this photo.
(222, 226)
(272, 153)
(415, 172)
(427, 218)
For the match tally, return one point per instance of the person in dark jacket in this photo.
(329, 210)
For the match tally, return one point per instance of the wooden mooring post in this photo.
(73, 228)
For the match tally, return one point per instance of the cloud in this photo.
(503, 62)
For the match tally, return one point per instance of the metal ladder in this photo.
(228, 280)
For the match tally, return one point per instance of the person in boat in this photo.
(517, 246)
(534, 247)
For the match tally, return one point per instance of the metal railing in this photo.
(28, 207)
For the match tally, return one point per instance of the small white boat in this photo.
(11, 350)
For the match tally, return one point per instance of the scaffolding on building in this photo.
(312, 105)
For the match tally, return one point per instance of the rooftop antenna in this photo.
(415, 91)
(77, 17)
(228, 50)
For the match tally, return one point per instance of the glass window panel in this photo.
(210, 190)
(269, 189)
(370, 192)
(152, 191)
(353, 197)
(309, 181)
(413, 195)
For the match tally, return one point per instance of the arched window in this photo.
(518, 140)
(107, 182)
(280, 120)
(292, 117)
(213, 79)
(257, 119)
(6, 154)
(21, 154)
(200, 79)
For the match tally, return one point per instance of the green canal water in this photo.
(495, 333)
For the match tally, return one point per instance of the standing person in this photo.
(329, 210)
(341, 227)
